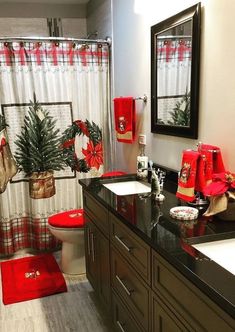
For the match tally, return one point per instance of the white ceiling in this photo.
(53, 2)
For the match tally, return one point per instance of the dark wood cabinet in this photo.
(104, 270)
(185, 301)
(97, 252)
(135, 250)
(141, 289)
(122, 319)
(164, 320)
(131, 288)
(90, 253)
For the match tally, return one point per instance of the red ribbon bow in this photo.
(221, 182)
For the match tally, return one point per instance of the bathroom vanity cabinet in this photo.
(181, 305)
(142, 288)
(97, 248)
(130, 273)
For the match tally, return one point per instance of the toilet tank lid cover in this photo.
(71, 218)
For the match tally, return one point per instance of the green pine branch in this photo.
(94, 131)
(180, 116)
(3, 123)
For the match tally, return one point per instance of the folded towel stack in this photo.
(197, 170)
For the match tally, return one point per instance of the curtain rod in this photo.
(174, 37)
(106, 41)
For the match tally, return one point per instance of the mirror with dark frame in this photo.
(175, 58)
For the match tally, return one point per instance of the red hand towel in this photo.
(200, 182)
(125, 118)
(213, 160)
(187, 177)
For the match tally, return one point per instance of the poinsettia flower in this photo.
(93, 154)
(3, 141)
(82, 126)
(68, 143)
(221, 182)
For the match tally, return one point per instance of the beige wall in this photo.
(131, 72)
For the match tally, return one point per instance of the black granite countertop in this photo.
(171, 238)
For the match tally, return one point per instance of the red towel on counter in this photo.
(200, 182)
(125, 119)
(187, 176)
(213, 160)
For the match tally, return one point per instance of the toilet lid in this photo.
(67, 219)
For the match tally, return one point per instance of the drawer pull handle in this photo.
(124, 286)
(122, 243)
(93, 247)
(88, 241)
(120, 326)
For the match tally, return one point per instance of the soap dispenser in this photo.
(156, 186)
(142, 159)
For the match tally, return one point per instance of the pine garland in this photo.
(39, 142)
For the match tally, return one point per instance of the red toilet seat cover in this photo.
(67, 219)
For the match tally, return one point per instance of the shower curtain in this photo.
(71, 82)
(174, 76)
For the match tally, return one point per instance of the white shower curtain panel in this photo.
(72, 83)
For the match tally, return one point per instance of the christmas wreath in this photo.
(93, 154)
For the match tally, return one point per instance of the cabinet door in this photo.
(104, 269)
(91, 254)
(187, 300)
(97, 212)
(164, 320)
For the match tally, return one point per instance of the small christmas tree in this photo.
(39, 144)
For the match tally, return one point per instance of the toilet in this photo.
(68, 227)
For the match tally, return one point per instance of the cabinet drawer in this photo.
(132, 247)
(130, 287)
(200, 312)
(122, 319)
(97, 212)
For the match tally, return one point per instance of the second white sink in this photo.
(221, 252)
(128, 187)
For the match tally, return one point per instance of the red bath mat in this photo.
(30, 278)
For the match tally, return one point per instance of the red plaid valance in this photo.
(23, 53)
(179, 49)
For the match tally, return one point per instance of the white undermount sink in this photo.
(128, 187)
(222, 252)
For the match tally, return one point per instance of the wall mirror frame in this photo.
(175, 65)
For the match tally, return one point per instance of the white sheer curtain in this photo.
(57, 73)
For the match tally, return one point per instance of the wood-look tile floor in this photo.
(74, 311)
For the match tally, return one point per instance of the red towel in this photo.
(200, 182)
(125, 119)
(187, 177)
(213, 160)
